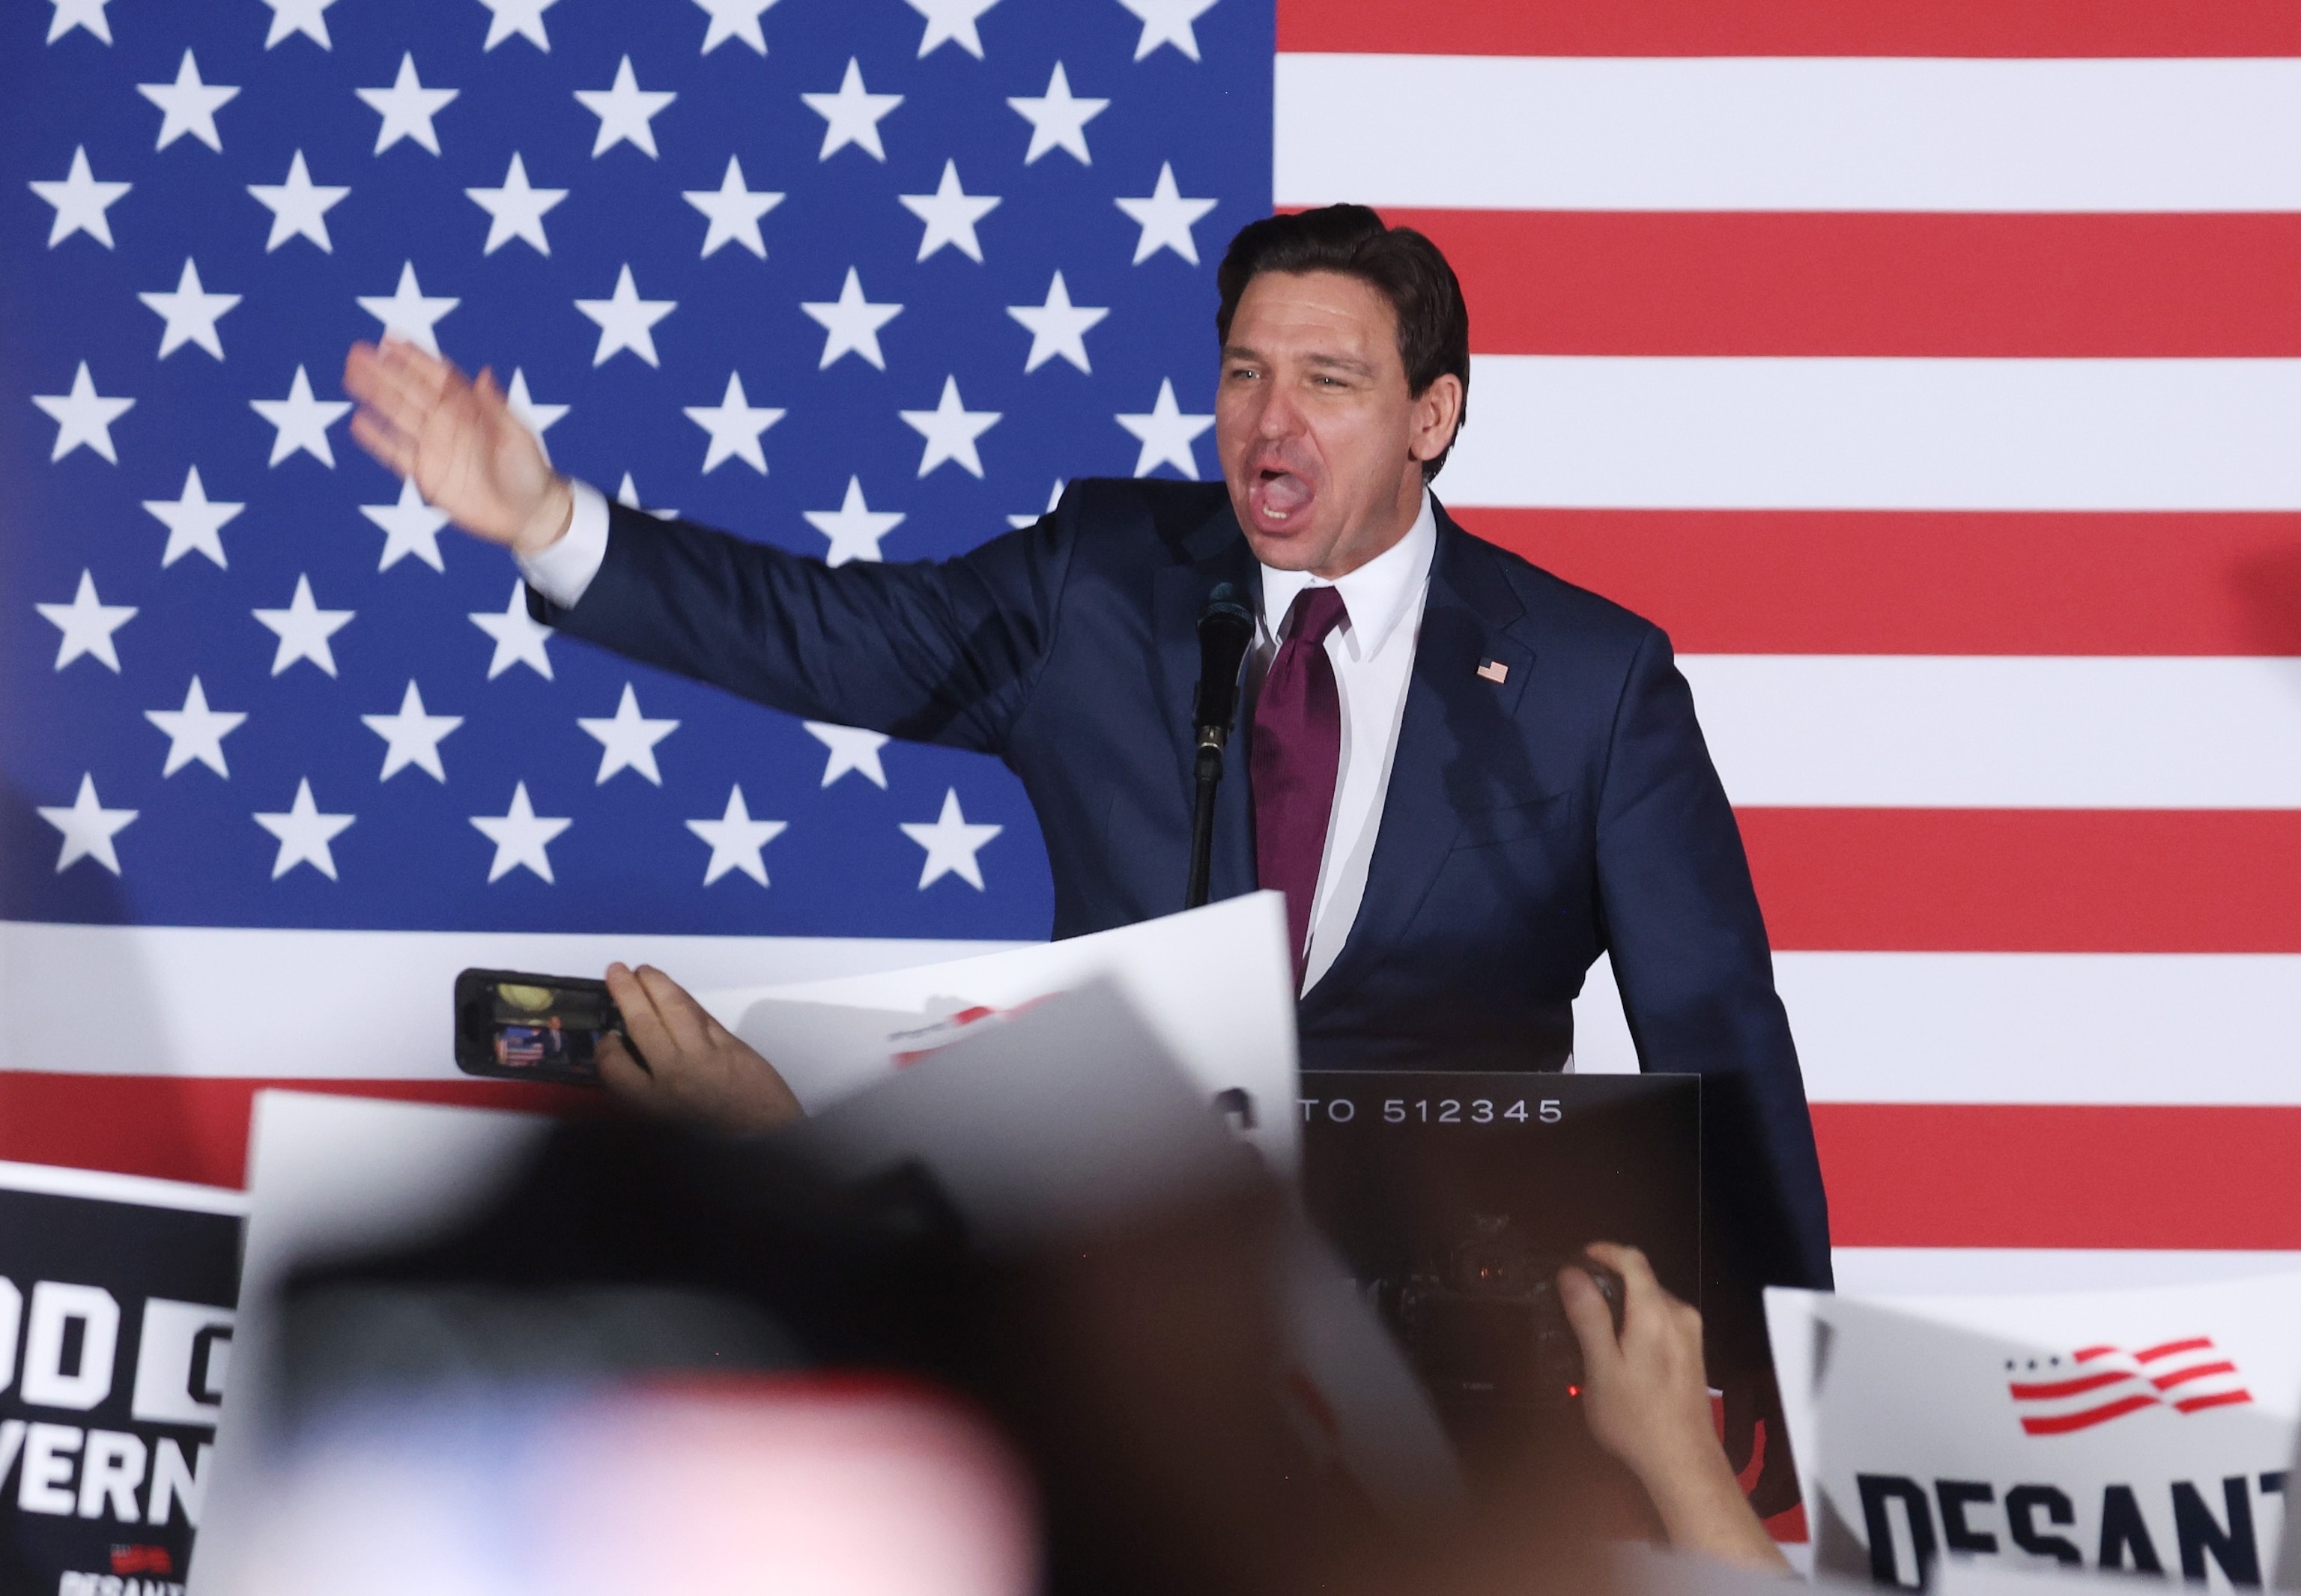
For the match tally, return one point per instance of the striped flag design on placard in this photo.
(2187, 1376)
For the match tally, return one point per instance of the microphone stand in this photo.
(1202, 813)
(1225, 632)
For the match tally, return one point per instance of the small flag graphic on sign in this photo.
(2107, 1383)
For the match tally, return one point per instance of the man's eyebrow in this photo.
(1342, 363)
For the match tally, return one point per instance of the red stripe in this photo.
(2028, 880)
(1834, 581)
(2204, 1371)
(2054, 1391)
(2088, 1354)
(2063, 1423)
(2196, 1343)
(2226, 1398)
(192, 1128)
(1845, 283)
(1955, 27)
(1972, 1175)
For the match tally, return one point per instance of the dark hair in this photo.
(1433, 324)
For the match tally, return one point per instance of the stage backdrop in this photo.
(1929, 370)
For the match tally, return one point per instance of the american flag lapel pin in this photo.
(1494, 671)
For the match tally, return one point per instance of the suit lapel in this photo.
(1440, 770)
(1218, 551)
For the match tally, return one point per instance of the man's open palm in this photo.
(468, 454)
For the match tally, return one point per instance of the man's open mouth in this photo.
(1277, 496)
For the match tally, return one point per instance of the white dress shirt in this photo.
(561, 571)
(1373, 656)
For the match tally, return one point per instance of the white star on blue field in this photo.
(858, 280)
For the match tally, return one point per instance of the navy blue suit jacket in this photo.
(1531, 823)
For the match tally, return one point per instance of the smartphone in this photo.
(520, 1027)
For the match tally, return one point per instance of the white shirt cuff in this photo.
(561, 571)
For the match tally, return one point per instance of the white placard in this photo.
(1214, 985)
(332, 1178)
(2142, 1431)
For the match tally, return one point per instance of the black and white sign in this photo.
(115, 1346)
(2146, 1431)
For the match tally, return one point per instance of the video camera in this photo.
(1484, 1323)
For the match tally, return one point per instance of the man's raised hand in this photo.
(469, 456)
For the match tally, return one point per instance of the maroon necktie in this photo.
(1298, 751)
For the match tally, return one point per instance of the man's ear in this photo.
(1437, 414)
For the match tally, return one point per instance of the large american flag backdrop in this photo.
(1927, 370)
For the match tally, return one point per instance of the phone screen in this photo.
(533, 1027)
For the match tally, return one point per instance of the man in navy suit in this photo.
(1469, 778)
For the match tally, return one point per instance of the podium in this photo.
(1453, 1197)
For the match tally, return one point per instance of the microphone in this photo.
(1225, 632)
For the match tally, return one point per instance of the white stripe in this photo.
(1965, 1027)
(1763, 432)
(1808, 133)
(1938, 1271)
(1876, 1027)
(2078, 732)
(335, 1004)
(48, 1180)
(2080, 1028)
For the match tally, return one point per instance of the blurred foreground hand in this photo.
(697, 1070)
(1647, 1402)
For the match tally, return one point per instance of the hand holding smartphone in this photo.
(519, 1027)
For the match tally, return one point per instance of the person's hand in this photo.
(697, 1070)
(1647, 1402)
(468, 454)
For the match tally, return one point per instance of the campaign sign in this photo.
(2138, 1431)
(115, 1343)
